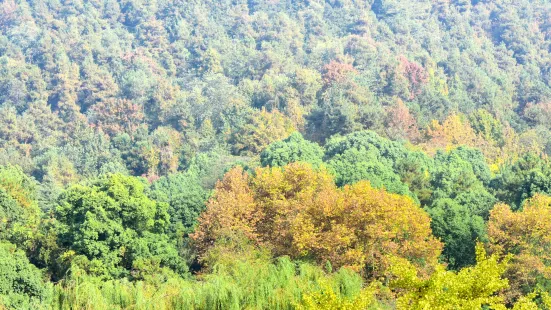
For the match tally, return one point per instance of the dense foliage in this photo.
(218, 154)
(300, 213)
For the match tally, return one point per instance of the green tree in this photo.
(522, 179)
(22, 285)
(365, 155)
(293, 149)
(459, 171)
(459, 229)
(361, 164)
(19, 211)
(185, 197)
(109, 226)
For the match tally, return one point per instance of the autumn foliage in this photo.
(115, 116)
(526, 235)
(415, 74)
(299, 212)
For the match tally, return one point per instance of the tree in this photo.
(360, 164)
(110, 226)
(401, 123)
(338, 72)
(526, 235)
(262, 129)
(415, 75)
(365, 155)
(344, 108)
(415, 171)
(19, 211)
(471, 288)
(186, 199)
(293, 149)
(115, 116)
(163, 153)
(459, 229)
(390, 150)
(522, 179)
(459, 203)
(459, 171)
(296, 211)
(487, 126)
(455, 130)
(21, 283)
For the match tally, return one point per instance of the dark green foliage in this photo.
(22, 285)
(414, 170)
(19, 212)
(459, 228)
(477, 161)
(479, 202)
(11, 214)
(354, 165)
(293, 149)
(460, 203)
(459, 171)
(185, 197)
(389, 150)
(522, 179)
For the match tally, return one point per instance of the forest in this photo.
(275, 154)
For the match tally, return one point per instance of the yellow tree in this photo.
(526, 235)
(261, 129)
(454, 130)
(471, 288)
(299, 212)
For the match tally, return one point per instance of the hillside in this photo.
(281, 154)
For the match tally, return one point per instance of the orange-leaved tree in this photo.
(300, 212)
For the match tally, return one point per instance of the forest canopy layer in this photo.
(282, 154)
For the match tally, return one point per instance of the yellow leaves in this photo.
(454, 131)
(18, 192)
(299, 212)
(211, 62)
(470, 288)
(528, 302)
(438, 83)
(527, 235)
(62, 171)
(522, 230)
(328, 299)
(391, 223)
(262, 129)
(21, 189)
(67, 256)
